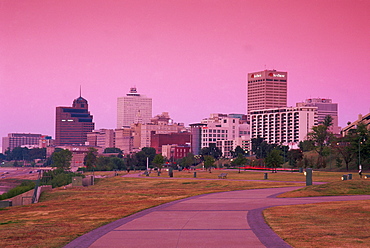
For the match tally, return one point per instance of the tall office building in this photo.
(266, 89)
(73, 123)
(324, 107)
(133, 108)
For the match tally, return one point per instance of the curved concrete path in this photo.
(227, 219)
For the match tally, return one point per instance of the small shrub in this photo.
(24, 187)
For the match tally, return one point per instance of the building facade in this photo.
(103, 138)
(14, 140)
(362, 119)
(266, 89)
(325, 107)
(218, 127)
(286, 126)
(161, 124)
(133, 108)
(124, 140)
(158, 140)
(175, 152)
(72, 124)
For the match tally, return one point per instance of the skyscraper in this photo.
(73, 123)
(133, 108)
(266, 89)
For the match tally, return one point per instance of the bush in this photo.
(58, 178)
(24, 187)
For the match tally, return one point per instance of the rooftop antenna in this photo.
(80, 90)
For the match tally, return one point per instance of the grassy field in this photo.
(64, 214)
(318, 176)
(332, 224)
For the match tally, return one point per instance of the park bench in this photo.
(222, 175)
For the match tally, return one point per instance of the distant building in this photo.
(196, 137)
(266, 89)
(174, 152)
(14, 140)
(161, 124)
(325, 107)
(362, 119)
(218, 127)
(103, 138)
(133, 108)
(287, 126)
(158, 140)
(124, 140)
(72, 124)
(227, 146)
(78, 154)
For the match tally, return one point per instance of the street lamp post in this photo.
(359, 157)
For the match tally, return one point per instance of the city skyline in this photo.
(191, 57)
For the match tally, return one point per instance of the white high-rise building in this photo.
(133, 108)
(287, 126)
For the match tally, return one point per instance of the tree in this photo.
(344, 149)
(209, 161)
(261, 148)
(90, 158)
(360, 143)
(131, 161)
(187, 161)
(328, 121)
(306, 145)
(238, 150)
(37, 153)
(62, 159)
(146, 152)
(141, 157)
(117, 163)
(112, 150)
(294, 155)
(284, 152)
(109, 164)
(321, 137)
(212, 150)
(158, 161)
(274, 159)
(238, 161)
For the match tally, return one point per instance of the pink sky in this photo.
(190, 56)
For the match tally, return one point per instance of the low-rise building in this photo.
(33, 140)
(362, 119)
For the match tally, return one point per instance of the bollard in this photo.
(344, 177)
(308, 176)
(265, 176)
(159, 173)
(195, 174)
(170, 172)
(300, 170)
(349, 176)
(147, 173)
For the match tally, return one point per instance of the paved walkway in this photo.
(227, 219)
